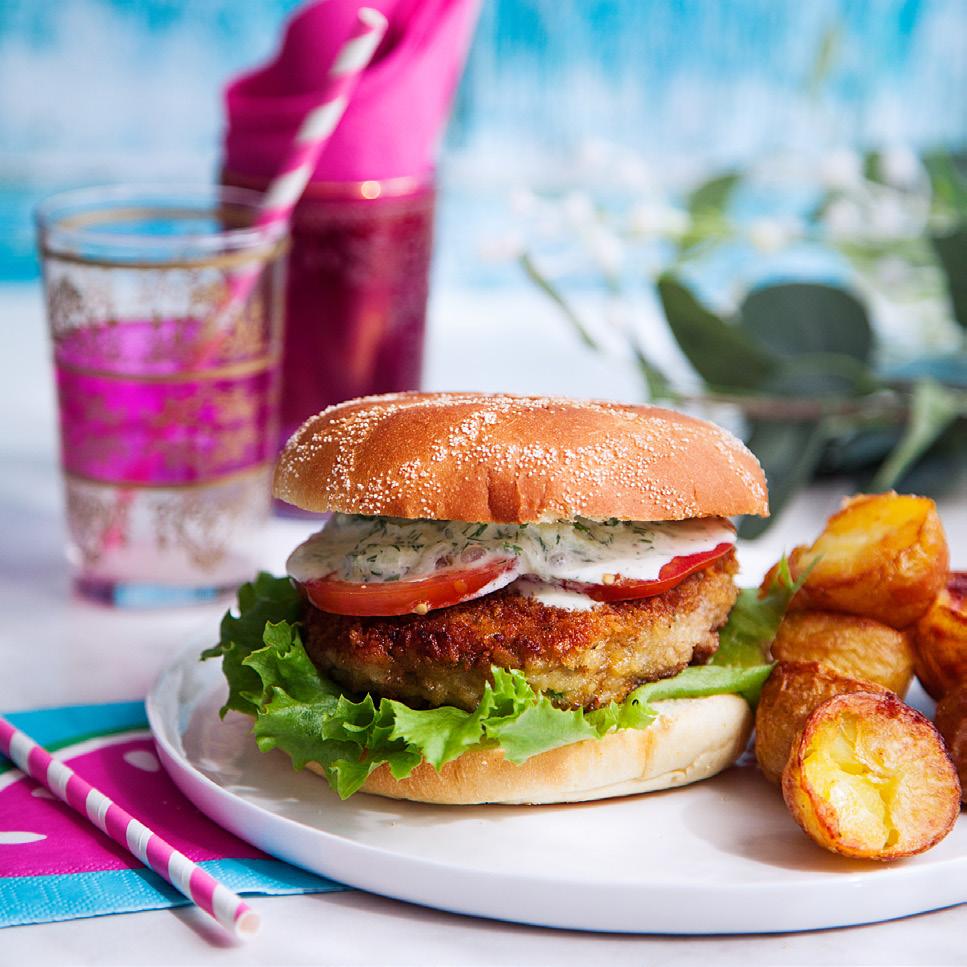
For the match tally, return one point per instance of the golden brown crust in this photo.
(951, 720)
(499, 458)
(848, 645)
(692, 739)
(583, 658)
(870, 778)
(881, 556)
(940, 639)
(788, 697)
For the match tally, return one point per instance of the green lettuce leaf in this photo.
(754, 621)
(309, 717)
(752, 626)
(265, 599)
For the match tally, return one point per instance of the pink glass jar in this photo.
(356, 294)
(167, 405)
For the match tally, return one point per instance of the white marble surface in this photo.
(58, 649)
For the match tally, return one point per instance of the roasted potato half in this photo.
(790, 694)
(855, 647)
(883, 556)
(951, 721)
(869, 777)
(940, 639)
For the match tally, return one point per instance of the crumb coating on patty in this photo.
(580, 659)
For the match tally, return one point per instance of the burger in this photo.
(512, 600)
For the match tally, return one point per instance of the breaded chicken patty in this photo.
(580, 659)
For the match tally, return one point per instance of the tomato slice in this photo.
(388, 598)
(670, 575)
(449, 587)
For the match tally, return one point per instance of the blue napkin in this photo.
(54, 865)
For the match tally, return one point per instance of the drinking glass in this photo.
(356, 295)
(167, 388)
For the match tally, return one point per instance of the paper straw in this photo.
(187, 877)
(285, 190)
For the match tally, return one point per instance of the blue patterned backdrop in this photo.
(100, 90)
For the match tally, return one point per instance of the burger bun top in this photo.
(516, 459)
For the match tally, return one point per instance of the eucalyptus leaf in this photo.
(707, 204)
(723, 355)
(821, 375)
(951, 251)
(789, 454)
(806, 317)
(948, 179)
(932, 409)
(855, 449)
(942, 470)
(873, 166)
(713, 196)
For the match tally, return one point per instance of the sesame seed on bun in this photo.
(516, 459)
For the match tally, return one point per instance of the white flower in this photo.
(841, 168)
(770, 235)
(505, 248)
(578, 209)
(657, 218)
(889, 219)
(617, 315)
(631, 172)
(524, 202)
(900, 166)
(844, 219)
(893, 271)
(606, 249)
(594, 153)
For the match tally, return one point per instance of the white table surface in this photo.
(57, 649)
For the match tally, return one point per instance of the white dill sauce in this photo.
(553, 596)
(373, 550)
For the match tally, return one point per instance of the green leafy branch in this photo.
(807, 342)
(797, 360)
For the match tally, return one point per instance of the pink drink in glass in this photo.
(356, 295)
(129, 415)
(168, 404)
(166, 469)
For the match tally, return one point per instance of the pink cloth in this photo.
(396, 118)
(57, 841)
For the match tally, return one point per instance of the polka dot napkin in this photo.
(55, 866)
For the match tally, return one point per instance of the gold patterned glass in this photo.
(167, 384)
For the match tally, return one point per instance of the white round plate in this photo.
(720, 856)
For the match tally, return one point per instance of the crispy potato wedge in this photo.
(869, 777)
(855, 647)
(882, 556)
(789, 695)
(951, 719)
(940, 639)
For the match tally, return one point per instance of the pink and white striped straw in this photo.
(318, 125)
(187, 877)
(285, 190)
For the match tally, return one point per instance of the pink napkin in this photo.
(396, 118)
(56, 866)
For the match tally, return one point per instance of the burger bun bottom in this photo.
(692, 739)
